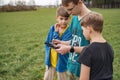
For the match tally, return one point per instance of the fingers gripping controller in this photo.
(52, 45)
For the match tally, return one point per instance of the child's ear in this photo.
(89, 28)
(56, 17)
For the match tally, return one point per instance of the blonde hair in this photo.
(93, 19)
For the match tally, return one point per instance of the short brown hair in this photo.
(65, 2)
(61, 11)
(93, 19)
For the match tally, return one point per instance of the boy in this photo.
(57, 62)
(74, 7)
(96, 59)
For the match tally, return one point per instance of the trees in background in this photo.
(18, 5)
(103, 3)
(22, 5)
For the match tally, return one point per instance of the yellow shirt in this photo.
(54, 54)
(54, 57)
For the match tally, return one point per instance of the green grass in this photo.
(22, 36)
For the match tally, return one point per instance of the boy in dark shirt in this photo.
(97, 58)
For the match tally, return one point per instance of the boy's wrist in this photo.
(68, 48)
(72, 49)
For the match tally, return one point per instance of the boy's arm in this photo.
(78, 49)
(65, 42)
(85, 72)
(63, 49)
(56, 31)
(56, 35)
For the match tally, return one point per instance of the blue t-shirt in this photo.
(78, 39)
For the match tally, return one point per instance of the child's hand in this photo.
(57, 26)
(62, 49)
(56, 41)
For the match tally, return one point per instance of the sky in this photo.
(38, 2)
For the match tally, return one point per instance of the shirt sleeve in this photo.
(85, 57)
(56, 35)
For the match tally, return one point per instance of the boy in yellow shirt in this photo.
(56, 62)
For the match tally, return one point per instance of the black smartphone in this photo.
(51, 45)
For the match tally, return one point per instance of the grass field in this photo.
(22, 36)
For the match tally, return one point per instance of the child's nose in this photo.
(63, 20)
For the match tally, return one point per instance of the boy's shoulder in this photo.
(52, 26)
(74, 17)
(95, 45)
